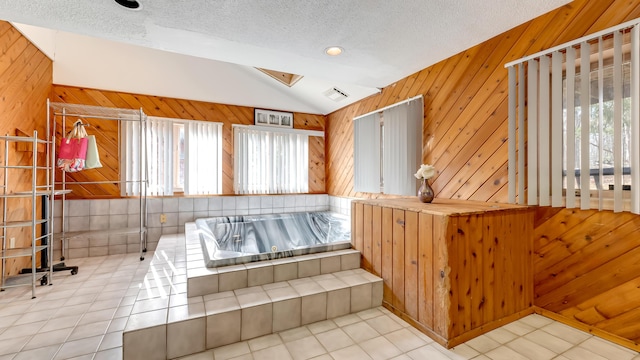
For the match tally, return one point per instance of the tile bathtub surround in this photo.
(85, 215)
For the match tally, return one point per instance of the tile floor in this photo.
(83, 316)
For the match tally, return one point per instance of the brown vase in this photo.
(425, 192)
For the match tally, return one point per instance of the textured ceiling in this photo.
(384, 41)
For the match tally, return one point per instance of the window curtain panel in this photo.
(270, 162)
(203, 158)
(402, 144)
(366, 154)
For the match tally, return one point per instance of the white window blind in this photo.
(132, 157)
(366, 153)
(203, 151)
(388, 148)
(203, 158)
(402, 147)
(270, 161)
(582, 123)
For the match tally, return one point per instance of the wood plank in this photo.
(411, 263)
(426, 266)
(376, 239)
(442, 279)
(475, 229)
(387, 254)
(367, 219)
(398, 259)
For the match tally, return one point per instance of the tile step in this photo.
(204, 281)
(224, 317)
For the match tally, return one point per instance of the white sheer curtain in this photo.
(583, 123)
(203, 158)
(270, 162)
(366, 153)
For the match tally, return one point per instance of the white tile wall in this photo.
(85, 215)
(341, 205)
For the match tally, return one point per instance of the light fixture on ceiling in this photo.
(333, 50)
(130, 4)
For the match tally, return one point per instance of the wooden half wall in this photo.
(585, 272)
(106, 134)
(25, 82)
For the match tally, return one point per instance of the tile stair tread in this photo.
(230, 300)
(200, 308)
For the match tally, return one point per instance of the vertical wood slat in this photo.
(489, 274)
(398, 259)
(426, 269)
(387, 254)
(411, 236)
(367, 238)
(376, 241)
(478, 270)
(442, 279)
(358, 226)
(463, 277)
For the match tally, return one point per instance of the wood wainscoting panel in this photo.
(107, 139)
(434, 268)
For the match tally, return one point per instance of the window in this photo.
(388, 149)
(601, 130)
(578, 105)
(271, 161)
(182, 156)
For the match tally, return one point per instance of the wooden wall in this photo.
(584, 260)
(25, 82)
(106, 134)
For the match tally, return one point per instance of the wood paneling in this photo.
(465, 104)
(584, 267)
(25, 82)
(107, 134)
(587, 271)
(434, 269)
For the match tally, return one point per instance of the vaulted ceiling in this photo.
(209, 49)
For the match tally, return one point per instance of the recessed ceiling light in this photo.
(129, 4)
(333, 50)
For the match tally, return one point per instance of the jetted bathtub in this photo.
(228, 240)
